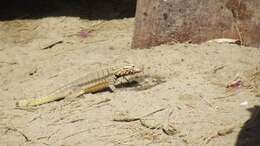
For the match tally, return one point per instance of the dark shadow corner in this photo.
(250, 132)
(85, 9)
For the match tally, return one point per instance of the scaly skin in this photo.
(93, 82)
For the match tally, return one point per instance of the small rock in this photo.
(33, 71)
(151, 123)
(245, 103)
(226, 131)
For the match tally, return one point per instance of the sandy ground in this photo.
(195, 106)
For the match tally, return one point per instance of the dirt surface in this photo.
(190, 106)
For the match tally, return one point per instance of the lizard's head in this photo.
(127, 70)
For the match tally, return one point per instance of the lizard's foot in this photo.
(112, 88)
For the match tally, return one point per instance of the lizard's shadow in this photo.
(128, 84)
(143, 82)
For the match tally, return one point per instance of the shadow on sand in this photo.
(250, 132)
(85, 9)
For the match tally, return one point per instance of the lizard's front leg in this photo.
(112, 83)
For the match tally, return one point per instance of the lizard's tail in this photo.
(37, 101)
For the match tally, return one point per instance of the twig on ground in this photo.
(27, 139)
(126, 119)
(100, 102)
(9, 63)
(222, 97)
(222, 132)
(169, 129)
(154, 112)
(31, 109)
(239, 34)
(76, 133)
(48, 137)
(217, 68)
(77, 120)
(35, 118)
(129, 119)
(208, 103)
(51, 45)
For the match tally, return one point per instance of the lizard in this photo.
(90, 83)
